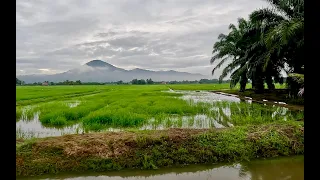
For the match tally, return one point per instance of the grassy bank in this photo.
(154, 149)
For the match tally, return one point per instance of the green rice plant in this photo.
(109, 118)
(64, 115)
(25, 113)
(18, 113)
(134, 106)
(59, 121)
(53, 119)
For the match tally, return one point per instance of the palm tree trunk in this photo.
(259, 82)
(269, 82)
(253, 83)
(243, 82)
(259, 87)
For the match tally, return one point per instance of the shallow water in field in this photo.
(28, 128)
(206, 97)
(219, 116)
(286, 168)
(199, 121)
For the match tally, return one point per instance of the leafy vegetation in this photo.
(259, 48)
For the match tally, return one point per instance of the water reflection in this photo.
(199, 121)
(288, 168)
(28, 128)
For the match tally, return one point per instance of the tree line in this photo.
(134, 81)
(259, 48)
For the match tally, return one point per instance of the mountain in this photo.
(100, 71)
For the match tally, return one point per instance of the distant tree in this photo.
(18, 81)
(149, 81)
(141, 81)
(134, 81)
(78, 82)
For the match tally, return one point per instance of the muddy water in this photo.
(288, 168)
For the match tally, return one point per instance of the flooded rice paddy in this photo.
(285, 168)
(225, 111)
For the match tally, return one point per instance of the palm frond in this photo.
(263, 15)
(297, 77)
(219, 64)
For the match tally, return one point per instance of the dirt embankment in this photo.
(153, 149)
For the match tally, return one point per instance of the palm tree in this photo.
(231, 47)
(243, 46)
(283, 35)
(261, 47)
(281, 39)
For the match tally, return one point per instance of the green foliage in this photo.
(297, 77)
(260, 47)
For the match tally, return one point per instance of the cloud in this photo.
(55, 36)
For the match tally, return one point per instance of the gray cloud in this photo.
(151, 34)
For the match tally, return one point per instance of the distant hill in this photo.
(100, 71)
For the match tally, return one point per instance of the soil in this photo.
(110, 144)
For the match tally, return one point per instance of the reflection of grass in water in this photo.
(18, 113)
(191, 122)
(25, 135)
(25, 113)
(244, 113)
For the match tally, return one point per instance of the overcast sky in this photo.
(55, 36)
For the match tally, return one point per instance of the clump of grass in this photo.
(106, 118)
(18, 113)
(63, 115)
(25, 113)
(54, 120)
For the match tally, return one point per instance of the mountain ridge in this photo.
(101, 71)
